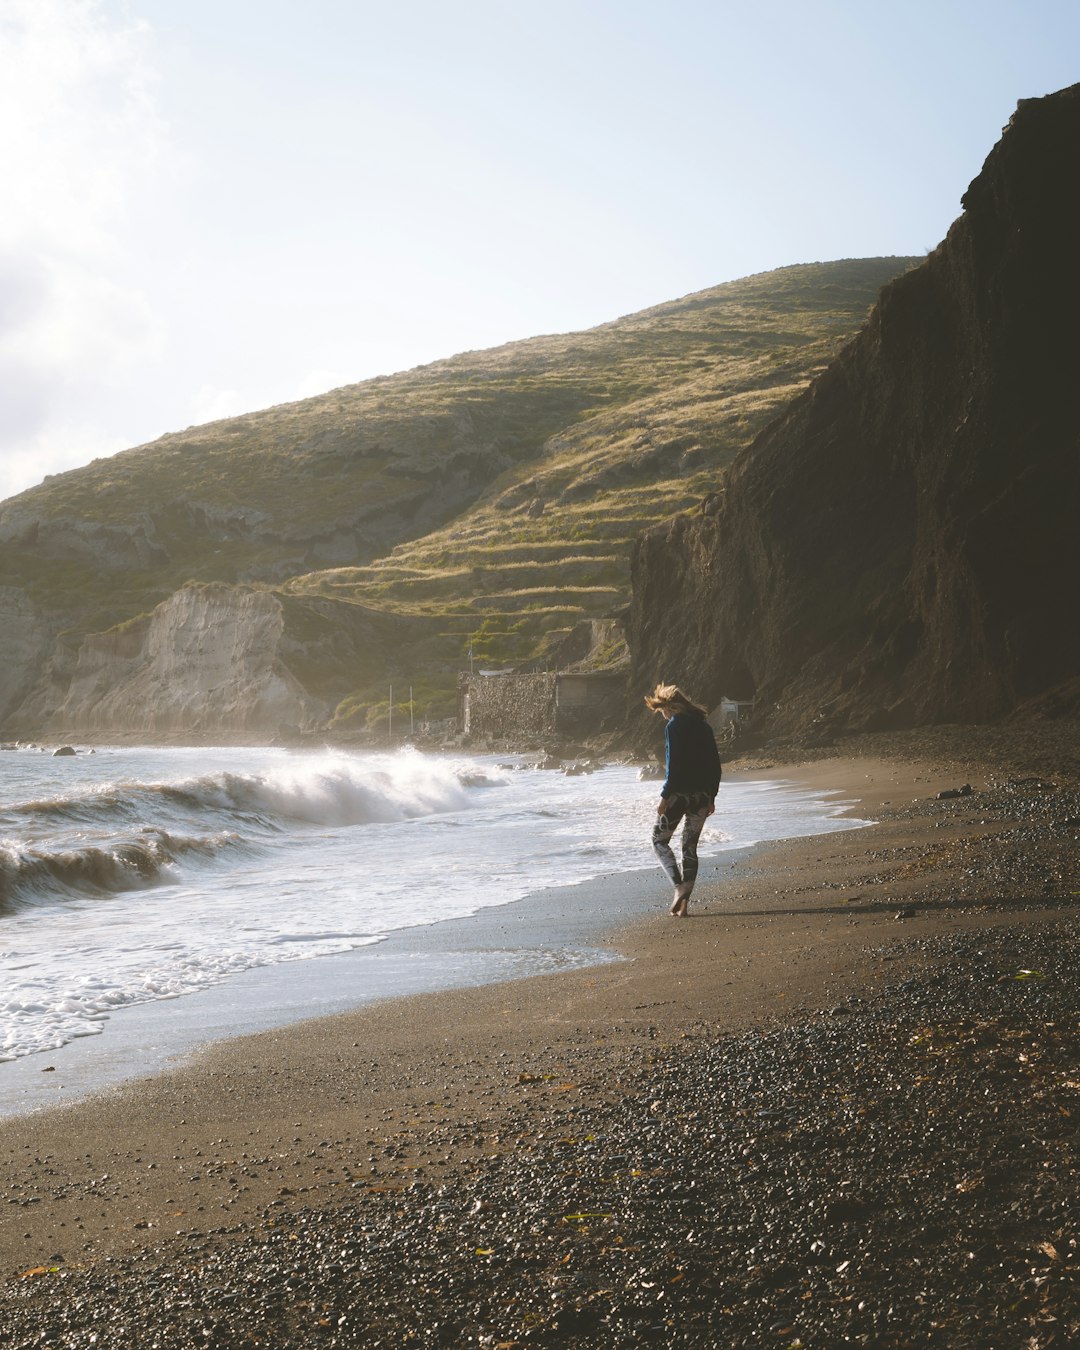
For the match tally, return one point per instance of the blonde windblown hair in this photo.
(670, 699)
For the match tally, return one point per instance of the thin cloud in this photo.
(81, 137)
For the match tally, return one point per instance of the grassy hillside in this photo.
(491, 496)
(547, 544)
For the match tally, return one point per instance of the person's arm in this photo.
(666, 789)
(717, 767)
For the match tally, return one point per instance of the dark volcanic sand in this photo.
(793, 1120)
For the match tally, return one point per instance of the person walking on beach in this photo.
(690, 788)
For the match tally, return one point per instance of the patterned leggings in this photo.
(696, 810)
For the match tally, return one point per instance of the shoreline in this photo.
(494, 945)
(431, 1090)
(561, 927)
(178, 1035)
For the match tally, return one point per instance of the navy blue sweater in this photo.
(693, 762)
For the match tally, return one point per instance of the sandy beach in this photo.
(260, 1193)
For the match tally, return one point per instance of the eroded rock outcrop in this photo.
(901, 546)
(104, 546)
(205, 660)
(27, 639)
(212, 659)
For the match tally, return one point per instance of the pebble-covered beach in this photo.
(885, 1154)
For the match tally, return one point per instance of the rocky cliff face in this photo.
(205, 660)
(106, 547)
(27, 641)
(901, 546)
(213, 659)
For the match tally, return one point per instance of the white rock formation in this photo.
(206, 660)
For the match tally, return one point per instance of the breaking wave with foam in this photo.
(76, 843)
(34, 875)
(328, 790)
(132, 875)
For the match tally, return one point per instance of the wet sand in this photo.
(420, 1092)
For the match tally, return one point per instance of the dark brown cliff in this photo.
(900, 547)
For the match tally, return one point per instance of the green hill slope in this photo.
(491, 497)
(547, 545)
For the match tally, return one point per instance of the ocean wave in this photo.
(336, 791)
(30, 874)
(90, 806)
(331, 790)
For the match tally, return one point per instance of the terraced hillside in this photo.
(547, 544)
(489, 499)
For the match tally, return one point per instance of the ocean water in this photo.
(137, 874)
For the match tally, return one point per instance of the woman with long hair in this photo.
(690, 788)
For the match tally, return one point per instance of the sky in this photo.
(212, 206)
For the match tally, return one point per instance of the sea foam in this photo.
(144, 874)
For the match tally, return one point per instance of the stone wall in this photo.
(509, 707)
(506, 707)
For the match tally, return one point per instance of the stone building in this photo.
(505, 706)
(728, 710)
